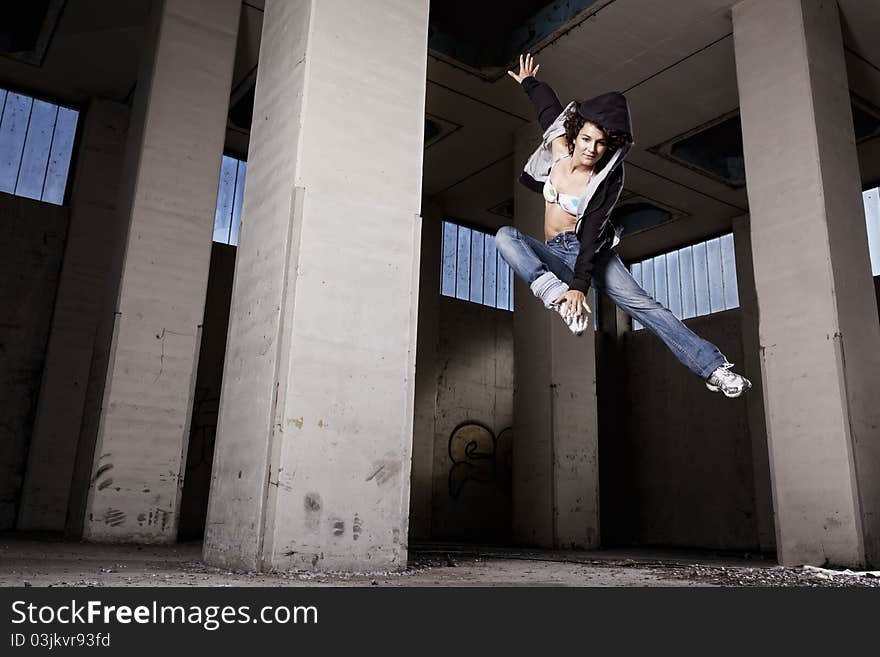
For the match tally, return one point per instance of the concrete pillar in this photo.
(312, 459)
(167, 203)
(555, 448)
(818, 331)
(78, 304)
(751, 365)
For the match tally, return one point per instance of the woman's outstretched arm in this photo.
(541, 94)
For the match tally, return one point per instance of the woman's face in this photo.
(589, 145)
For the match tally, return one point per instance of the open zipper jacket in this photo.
(594, 228)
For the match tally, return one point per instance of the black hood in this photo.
(609, 111)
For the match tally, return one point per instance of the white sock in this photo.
(548, 288)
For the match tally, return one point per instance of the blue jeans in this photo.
(530, 259)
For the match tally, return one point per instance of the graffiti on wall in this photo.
(477, 454)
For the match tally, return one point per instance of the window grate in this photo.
(36, 146)
(472, 269)
(692, 281)
(230, 196)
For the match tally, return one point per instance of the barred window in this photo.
(230, 195)
(472, 268)
(692, 281)
(36, 144)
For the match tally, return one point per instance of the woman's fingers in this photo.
(526, 64)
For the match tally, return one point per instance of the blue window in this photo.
(36, 144)
(230, 195)
(692, 281)
(872, 217)
(472, 268)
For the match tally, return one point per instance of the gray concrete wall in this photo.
(95, 187)
(678, 468)
(464, 382)
(30, 259)
(473, 423)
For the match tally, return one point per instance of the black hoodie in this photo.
(594, 229)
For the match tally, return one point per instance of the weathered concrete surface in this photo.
(682, 470)
(77, 306)
(30, 258)
(819, 331)
(680, 465)
(555, 448)
(312, 460)
(169, 193)
(473, 425)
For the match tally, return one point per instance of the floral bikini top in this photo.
(568, 202)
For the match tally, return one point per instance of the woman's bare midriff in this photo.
(556, 220)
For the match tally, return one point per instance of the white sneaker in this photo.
(576, 325)
(729, 383)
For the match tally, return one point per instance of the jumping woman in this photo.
(579, 170)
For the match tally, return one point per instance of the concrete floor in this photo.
(41, 561)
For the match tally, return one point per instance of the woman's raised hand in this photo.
(527, 68)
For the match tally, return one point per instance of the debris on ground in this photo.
(776, 576)
(32, 563)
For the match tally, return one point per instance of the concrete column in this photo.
(748, 304)
(818, 329)
(555, 449)
(312, 459)
(167, 202)
(78, 304)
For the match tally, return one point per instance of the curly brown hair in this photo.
(573, 124)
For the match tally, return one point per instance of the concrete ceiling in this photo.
(92, 51)
(674, 60)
